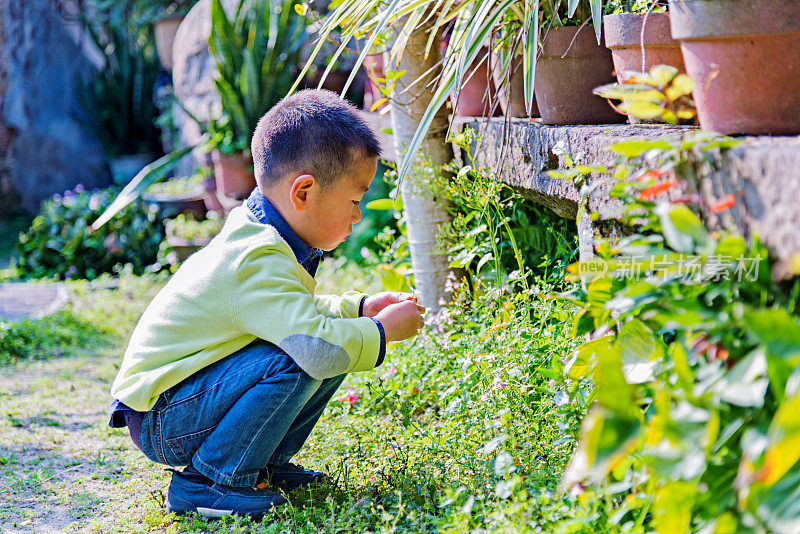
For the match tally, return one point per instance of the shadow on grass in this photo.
(45, 488)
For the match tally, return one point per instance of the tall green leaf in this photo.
(597, 17)
(151, 174)
(530, 53)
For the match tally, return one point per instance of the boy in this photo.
(233, 362)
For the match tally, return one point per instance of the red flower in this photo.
(351, 396)
(655, 190)
(723, 204)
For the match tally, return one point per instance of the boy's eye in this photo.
(355, 202)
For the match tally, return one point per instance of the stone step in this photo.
(761, 172)
(25, 300)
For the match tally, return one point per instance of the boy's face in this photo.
(330, 214)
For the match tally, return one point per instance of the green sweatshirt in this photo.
(245, 284)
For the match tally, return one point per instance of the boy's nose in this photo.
(356, 214)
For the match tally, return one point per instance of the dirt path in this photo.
(61, 467)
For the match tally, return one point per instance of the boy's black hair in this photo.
(312, 131)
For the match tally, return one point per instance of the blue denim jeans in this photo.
(232, 418)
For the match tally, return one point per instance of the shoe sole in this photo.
(211, 513)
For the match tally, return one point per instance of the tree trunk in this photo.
(423, 215)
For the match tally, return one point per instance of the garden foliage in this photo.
(185, 226)
(496, 237)
(662, 94)
(57, 335)
(119, 97)
(257, 51)
(694, 361)
(658, 393)
(58, 244)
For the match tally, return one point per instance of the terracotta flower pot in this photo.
(564, 84)
(744, 56)
(234, 174)
(165, 30)
(474, 100)
(623, 36)
(512, 93)
(374, 65)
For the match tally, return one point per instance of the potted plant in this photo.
(374, 100)
(509, 65)
(470, 24)
(119, 98)
(256, 53)
(166, 16)
(744, 56)
(186, 235)
(477, 96)
(638, 34)
(178, 195)
(573, 61)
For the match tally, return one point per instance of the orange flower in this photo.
(655, 190)
(723, 204)
(651, 175)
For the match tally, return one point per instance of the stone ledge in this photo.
(763, 172)
(522, 151)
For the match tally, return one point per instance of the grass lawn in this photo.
(457, 431)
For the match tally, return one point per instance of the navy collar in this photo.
(265, 212)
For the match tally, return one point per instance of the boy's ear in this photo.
(299, 190)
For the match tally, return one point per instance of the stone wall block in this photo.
(762, 174)
(52, 148)
(193, 71)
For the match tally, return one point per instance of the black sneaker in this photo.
(191, 491)
(290, 476)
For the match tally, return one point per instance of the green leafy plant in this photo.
(184, 226)
(574, 13)
(663, 94)
(52, 336)
(58, 245)
(154, 10)
(142, 12)
(637, 6)
(693, 361)
(497, 238)
(257, 51)
(183, 186)
(496, 229)
(119, 98)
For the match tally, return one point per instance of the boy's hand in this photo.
(401, 320)
(375, 303)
